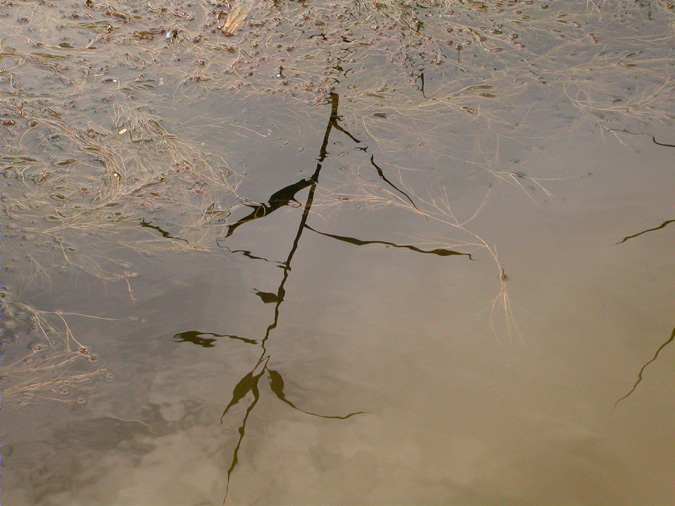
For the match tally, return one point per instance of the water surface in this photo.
(344, 253)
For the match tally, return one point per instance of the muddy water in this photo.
(332, 258)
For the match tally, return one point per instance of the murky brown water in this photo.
(348, 253)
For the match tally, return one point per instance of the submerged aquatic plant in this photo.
(58, 364)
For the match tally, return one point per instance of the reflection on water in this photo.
(639, 378)
(249, 383)
(195, 337)
(646, 231)
(665, 145)
(162, 232)
(384, 178)
(279, 199)
(398, 219)
(359, 242)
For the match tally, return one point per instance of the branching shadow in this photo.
(442, 252)
(195, 337)
(662, 143)
(248, 385)
(646, 231)
(642, 369)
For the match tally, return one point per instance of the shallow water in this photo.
(375, 270)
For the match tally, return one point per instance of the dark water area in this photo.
(337, 253)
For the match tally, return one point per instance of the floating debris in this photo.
(235, 19)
